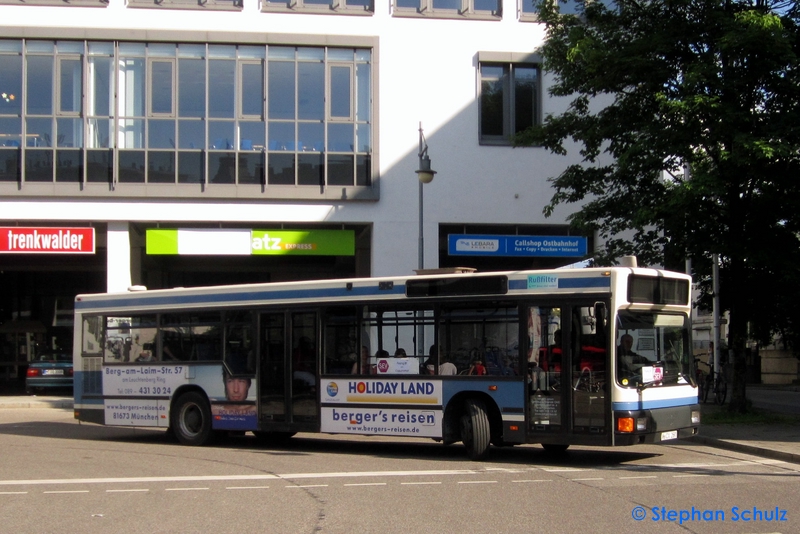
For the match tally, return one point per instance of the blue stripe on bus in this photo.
(567, 283)
(156, 300)
(517, 284)
(652, 405)
(575, 283)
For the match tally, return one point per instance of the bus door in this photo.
(546, 377)
(287, 376)
(566, 373)
(589, 361)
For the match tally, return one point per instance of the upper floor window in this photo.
(230, 5)
(528, 9)
(349, 7)
(63, 3)
(185, 113)
(487, 9)
(509, 99)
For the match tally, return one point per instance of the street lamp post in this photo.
(425, 175)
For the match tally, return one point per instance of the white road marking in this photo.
(186, 489)
(585, 479)
(630, 478)
(536, 480)
(419, 483)
(477, 482)
(75, 491)
(246, 487)
(216, 478)
(367, 484)
(563, 470)
(127, 490)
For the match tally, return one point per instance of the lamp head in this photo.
(425, 173)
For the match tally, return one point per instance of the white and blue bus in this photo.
(596, 357)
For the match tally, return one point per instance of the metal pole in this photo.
(421, 251)
(715, 282)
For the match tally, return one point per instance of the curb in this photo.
(40, 404)
(748, 449)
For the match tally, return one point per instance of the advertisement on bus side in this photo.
(143, 394)
(388, 407)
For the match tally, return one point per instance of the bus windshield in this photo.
(652, 349)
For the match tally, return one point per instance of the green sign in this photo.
(303, 242)
(240, 242)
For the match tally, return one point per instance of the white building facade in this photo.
(214, 141)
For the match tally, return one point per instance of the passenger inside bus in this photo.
(446, 367)
(477, 368)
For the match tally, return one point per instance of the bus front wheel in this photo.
(191, 419)
(475, 433)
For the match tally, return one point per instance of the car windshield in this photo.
(652, 349)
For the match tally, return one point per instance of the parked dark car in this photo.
(49, 371)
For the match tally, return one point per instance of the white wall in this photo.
(427, 72)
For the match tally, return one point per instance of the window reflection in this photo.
(40, 85)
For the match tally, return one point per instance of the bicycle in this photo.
(719, 386)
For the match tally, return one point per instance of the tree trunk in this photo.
(737, 338)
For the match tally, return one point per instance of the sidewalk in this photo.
(36, 401)
(776, 440)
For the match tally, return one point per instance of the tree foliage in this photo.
(659, 87)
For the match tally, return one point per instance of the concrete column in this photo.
(119, 257)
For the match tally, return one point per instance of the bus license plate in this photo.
(52, 371)
(672, 434)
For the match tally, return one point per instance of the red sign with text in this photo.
(26, 240)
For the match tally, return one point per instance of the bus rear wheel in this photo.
(191, 419)
(475, 432)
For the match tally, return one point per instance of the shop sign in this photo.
(46, 240)
(237, 242)
(516, 245)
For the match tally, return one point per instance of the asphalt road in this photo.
(59, 476)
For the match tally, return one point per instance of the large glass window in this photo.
(191, 337)
(10, 110)
(178, 113)
(349, 7)
(509, 100)
(480, 340)
(449, 8)
(528, 10)
(653, 349)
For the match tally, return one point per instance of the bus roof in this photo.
(411, 287)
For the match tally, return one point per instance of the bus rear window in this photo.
(658, 290)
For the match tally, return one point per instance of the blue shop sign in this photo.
(516, 245)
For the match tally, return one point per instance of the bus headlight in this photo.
(641, 423)
(695, 417)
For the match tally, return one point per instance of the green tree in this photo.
(659, 87)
